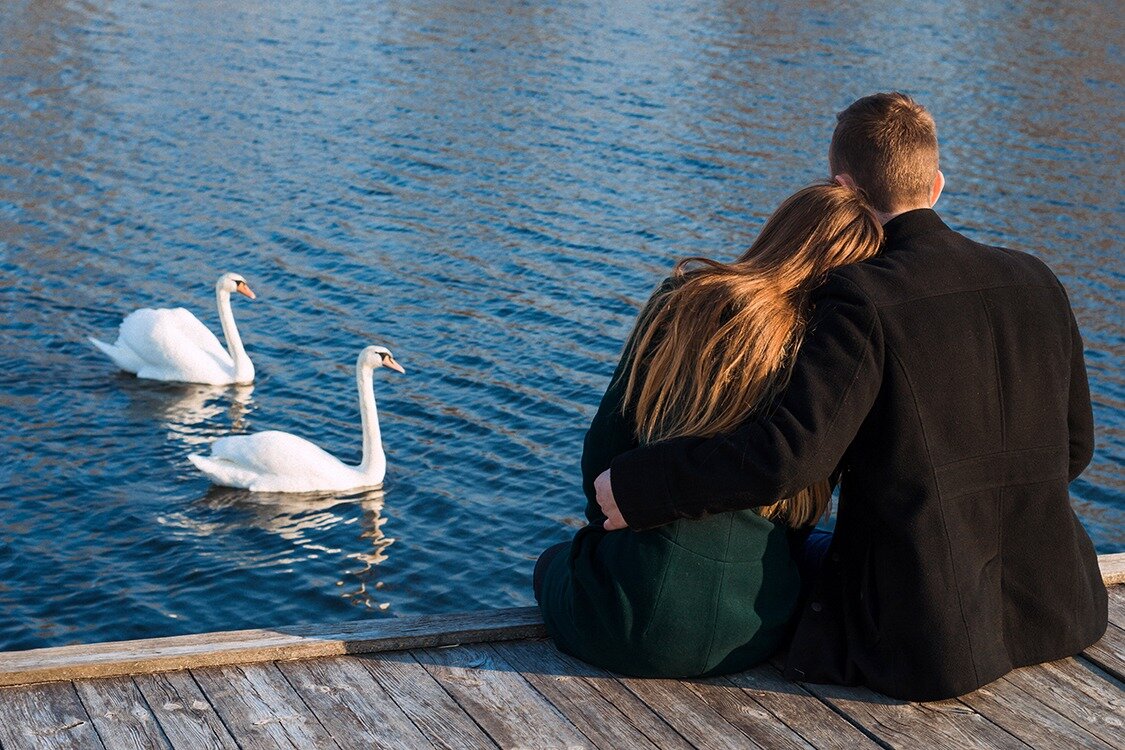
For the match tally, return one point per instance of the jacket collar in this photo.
(911, 224)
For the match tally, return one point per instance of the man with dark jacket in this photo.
(943, 382)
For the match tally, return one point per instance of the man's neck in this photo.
(885, 217)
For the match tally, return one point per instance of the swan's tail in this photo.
(222, 472)
(121, 357)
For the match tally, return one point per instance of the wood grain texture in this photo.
(742, 711)
(1023, 713)
(499, 699)
(553, 662)
(1113, 568)
(701, 724)
(251, 646)
(45, 717)
(949, 725)
(800, 710)
(1086, 695)
(121, 715)
(1116, 597)
(444, 723)
(1109, 652)
(261, 709)
(183, 711)
(351, 705)
(566, 683)
(523, 693)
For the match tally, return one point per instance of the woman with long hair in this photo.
(710, 349)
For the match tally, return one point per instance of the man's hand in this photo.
(604, 490)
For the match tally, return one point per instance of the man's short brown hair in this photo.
(888, 144)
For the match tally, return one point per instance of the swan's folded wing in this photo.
(276, 454)
(173, 340)
(223, 472)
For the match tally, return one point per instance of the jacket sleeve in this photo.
(1080, 415)
(835, 379)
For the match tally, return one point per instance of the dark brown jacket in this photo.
(945, 381)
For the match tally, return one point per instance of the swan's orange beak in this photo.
(242, 288)
(390, 362)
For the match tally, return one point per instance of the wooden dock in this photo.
(491, 680)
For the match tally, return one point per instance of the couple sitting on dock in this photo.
(861, 344)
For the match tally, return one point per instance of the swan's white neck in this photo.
(374, 463)
(243, 367)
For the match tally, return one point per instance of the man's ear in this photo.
(938, 186)
(845, 180)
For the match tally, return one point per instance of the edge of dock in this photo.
(119, 658)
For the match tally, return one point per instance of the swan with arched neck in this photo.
(275, 461)
(172, 345)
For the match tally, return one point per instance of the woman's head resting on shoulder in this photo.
(818, 228)
(713, 344)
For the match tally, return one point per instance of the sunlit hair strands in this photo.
(713, 344)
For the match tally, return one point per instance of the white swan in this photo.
(279, 462)
(173, 345)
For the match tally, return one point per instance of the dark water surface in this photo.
(489, 189)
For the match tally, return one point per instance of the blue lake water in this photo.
(490, 190)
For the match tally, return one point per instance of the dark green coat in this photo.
(691, 598)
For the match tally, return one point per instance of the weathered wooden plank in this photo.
(45, 717)
(698, 722)
(742, 711)
(499, 699)
(351, 705)
(1109, 652)
(1022, 713)
(1113, 568)
(800, 710)
(1116, 596)
(183, 711)
(1083, 693)
(548, 660)
(950, 725)
(566, 683)
(250, 646)
(120, 714)
(444, 723)
(260, 707)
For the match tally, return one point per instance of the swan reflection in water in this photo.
(296, 518)
(187, 411)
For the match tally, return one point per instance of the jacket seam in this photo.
(998, 454)
(996, 363)
(951, 292)
(659, 592)
(715, 600)
(858, 365)
(700, 555)
(941, 511)
(1003, 485)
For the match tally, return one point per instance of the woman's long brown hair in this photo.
(713, 346)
